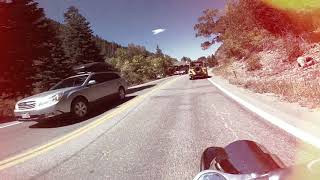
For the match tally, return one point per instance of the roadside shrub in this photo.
(6, 107)
(294, 51)
(253, 63)
(293, 47)
(306, 92)
(223, 69)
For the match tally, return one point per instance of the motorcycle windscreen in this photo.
(244, 157)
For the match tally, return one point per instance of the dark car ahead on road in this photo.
(72, 95)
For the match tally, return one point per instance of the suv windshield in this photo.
(70, 82)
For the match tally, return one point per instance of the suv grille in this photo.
(27, 105)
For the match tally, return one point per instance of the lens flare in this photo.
(302, 16)
(306, 5)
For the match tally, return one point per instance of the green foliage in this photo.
(24, 41)
(212, 61)
(78, 42)
(54, 67)
(210, 24)
(108, 49)
(134, 50)
(138, 65)
(158, 51)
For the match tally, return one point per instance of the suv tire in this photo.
(79, 108)
(121, 94)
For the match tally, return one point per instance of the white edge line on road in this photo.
(298, 133)
(11, 124)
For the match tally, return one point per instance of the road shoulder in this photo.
(298, 121)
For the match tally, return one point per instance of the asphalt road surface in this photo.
(158, 133)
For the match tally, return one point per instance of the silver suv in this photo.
(72, 95)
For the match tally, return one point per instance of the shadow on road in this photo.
(136, 89)
(96, 110)
(203, 78)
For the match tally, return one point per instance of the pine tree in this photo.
(22, 33)
(159, 52)
(54, 66)
(78, 42)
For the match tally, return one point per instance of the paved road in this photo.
(158, 134)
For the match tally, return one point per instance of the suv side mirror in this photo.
(92, 82)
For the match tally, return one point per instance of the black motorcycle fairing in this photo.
(210, 156)
(249, 157)
(240, 157)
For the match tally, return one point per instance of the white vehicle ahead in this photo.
(72, 95)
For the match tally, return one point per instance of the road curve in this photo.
(158, 136)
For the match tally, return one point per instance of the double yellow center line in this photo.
(29, 154)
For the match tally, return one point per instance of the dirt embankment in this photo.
(276, 75)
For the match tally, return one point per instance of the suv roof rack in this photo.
(93, 67)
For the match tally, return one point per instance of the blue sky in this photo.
(132, 21)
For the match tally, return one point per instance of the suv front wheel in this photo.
(79, 108)
(121, 94)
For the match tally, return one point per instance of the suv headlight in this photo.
(16, 106)
(50, 100)
(57, 97)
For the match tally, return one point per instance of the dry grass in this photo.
(277, 76)
(223, 70)
(253, 63)
(306, 93)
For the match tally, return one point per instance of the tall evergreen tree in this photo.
(158, 51)
(78, 42)
(22, 32)
(53, 67)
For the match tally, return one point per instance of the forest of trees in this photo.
(138, 65)
(210, 60)
(37, 52)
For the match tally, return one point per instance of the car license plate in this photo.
(25, 116)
